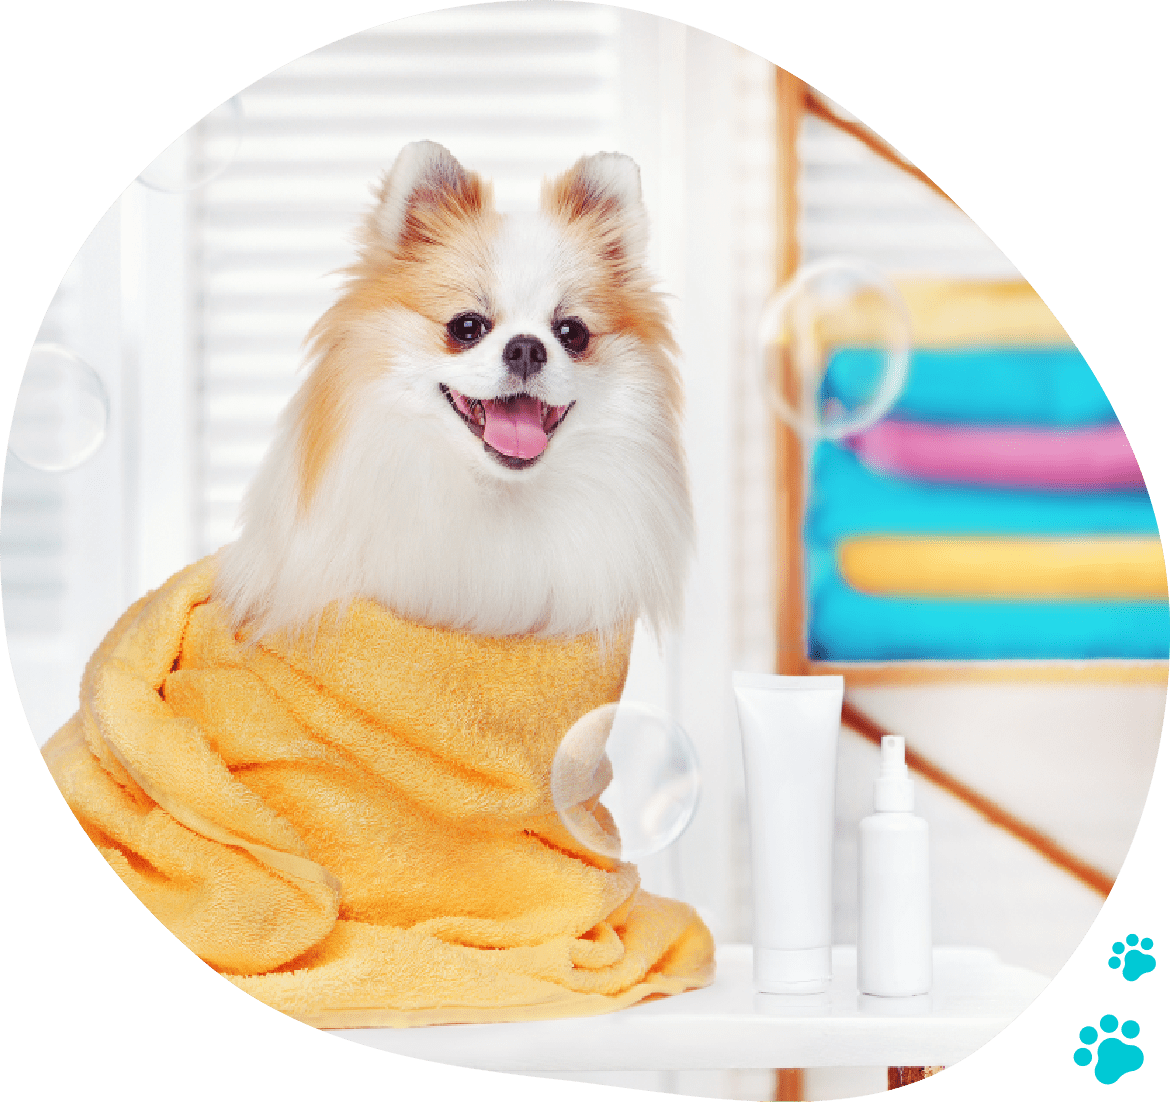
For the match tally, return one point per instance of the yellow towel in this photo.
(1069, 568)
(357, 829)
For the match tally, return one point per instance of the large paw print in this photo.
(1137, 963)
(1114, 1058)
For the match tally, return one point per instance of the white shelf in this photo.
(730, 1025)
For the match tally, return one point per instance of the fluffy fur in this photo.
(378, 483)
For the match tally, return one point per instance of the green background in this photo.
(1044, 121)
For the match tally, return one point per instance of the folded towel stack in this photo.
(358, 828)
(998, 513)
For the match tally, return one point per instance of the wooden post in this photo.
(902, 1076)
(789, 448)
(789, 1085)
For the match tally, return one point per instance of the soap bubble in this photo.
(828, 305)
(625, 780)
(62, 411)
(178, 169)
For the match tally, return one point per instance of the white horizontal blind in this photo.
(854, 204)
(61, 532)
(753, 614)
(33, 518)
(515, 91)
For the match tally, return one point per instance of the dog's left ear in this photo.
(605, 188)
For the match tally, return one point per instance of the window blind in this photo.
(33, 520)
(855, 204)
(61, 561)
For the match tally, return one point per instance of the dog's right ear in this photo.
(425, 178)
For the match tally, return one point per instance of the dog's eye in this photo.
(572, 334)
(468, 328)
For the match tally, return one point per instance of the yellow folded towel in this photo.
(1099, 568)
(358, 828)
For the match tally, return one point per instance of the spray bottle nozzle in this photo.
(893, 790)
(893, 756)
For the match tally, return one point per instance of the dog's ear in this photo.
(424, 177)
(605, 188)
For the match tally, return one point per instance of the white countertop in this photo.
(730, 1025)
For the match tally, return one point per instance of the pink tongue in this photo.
(513, 427)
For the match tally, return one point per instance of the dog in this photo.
(322, 756)
(489, 438)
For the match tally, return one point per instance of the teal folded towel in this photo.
(999, 386)
(848, 499)
(845, 625)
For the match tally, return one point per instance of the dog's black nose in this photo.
(525, 356)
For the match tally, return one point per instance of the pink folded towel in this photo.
(1095, 458)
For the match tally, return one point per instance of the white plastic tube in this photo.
(790, 727)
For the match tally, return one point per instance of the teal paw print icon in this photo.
(1136, 962)
(1114, 1057)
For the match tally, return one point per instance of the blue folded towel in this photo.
(847, 498)
(845, 625)
(1002, 386)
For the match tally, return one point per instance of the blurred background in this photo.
(190, 300)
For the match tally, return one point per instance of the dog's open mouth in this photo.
(515, 430)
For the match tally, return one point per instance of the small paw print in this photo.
(1114, 1057)
(1137, 963)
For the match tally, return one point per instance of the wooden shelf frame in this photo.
(794, 99)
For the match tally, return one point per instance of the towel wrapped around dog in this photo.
(357, 828)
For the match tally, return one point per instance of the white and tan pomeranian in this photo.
(489, 438)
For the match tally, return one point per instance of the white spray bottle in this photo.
(893, 943)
